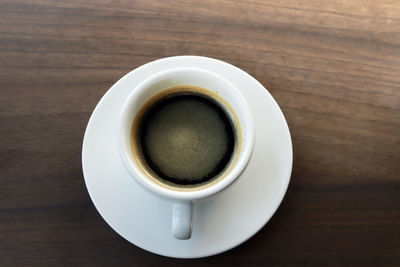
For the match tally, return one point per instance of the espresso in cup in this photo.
(185, 143)
(185, 137)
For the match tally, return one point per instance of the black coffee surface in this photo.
(186, 139)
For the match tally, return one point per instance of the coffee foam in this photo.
(192, 176)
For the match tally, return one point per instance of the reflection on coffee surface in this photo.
(185, 138)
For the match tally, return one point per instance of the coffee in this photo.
(184, 138)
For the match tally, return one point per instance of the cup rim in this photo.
(136, 172)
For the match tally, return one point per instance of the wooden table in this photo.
(333, 67)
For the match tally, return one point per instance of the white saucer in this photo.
(225, 222)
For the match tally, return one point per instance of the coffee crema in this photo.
(184, 138)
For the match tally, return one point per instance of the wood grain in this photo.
(333, 66)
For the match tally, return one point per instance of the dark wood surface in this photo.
(333, 66)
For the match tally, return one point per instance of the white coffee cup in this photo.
(227, 95)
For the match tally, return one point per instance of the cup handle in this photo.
(182, 220)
